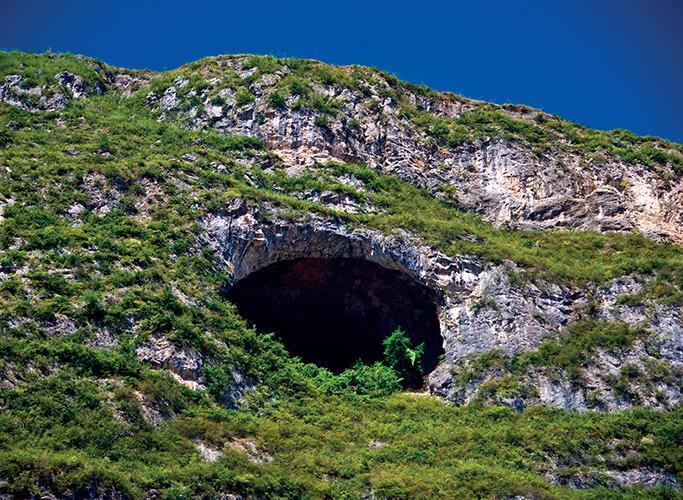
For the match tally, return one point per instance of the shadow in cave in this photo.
(333, 312)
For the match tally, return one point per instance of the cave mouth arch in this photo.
(335, 311)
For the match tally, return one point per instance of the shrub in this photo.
(277, 100)
(376, 380)
(325, 105)
(243, 97)
(577, 344)
(321, 121)
(93, 305)
(373, 380)
(104, 145)
(217, 101)
(264, 64)
(405, 359)
(298, 88)
(353, 123)
(5, 138)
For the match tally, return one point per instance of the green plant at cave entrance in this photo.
(405, 359)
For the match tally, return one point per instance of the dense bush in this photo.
(277, 100)
(376, 380)
(403, 358)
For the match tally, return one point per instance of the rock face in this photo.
(184, 364)
(506, 181)
(16, 93)
(52, 97)
(64, 86)
(479, 308)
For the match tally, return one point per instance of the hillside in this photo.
(157, 227)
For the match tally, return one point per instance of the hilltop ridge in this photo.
(513, 164)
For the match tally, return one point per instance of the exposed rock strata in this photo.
(507, 182)
(479, 308)
(185, 365)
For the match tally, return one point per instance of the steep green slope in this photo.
(126, 266)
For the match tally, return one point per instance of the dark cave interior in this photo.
(333, 312)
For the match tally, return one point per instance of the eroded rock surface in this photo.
(506, 181)
(184, 364)
(480, 308)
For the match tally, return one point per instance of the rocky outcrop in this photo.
(65, 86)
(245, 447)
(184, 364)
(16, 93)
(480, 309)
(613, 477)
(611, 381)
(647, 372)
(506, 181)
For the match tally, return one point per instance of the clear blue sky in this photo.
(604, 63)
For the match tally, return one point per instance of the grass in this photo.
(509, 122)
(320, 444)
(40, 69)
(488, 121)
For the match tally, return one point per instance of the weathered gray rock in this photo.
(253, 452)
(236, 392)
(74, 84)
(593, 477)
(208, 453)
(506, 182)
(480, 309)
(103, 195)
(169, 101)
(183, 363)
(127, 84)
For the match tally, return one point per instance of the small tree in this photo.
(405, 359)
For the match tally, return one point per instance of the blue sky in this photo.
(604, 63)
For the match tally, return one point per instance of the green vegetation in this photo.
(404, 446)
(403, 358)
(509, 122)
(582, 338)
(377, 380)
(277, 100)
(243, 97)
(80, 293)
(489, 121)
(37, 69)
(570, 351)
(664, 292)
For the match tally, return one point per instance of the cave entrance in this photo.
(335, 311)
